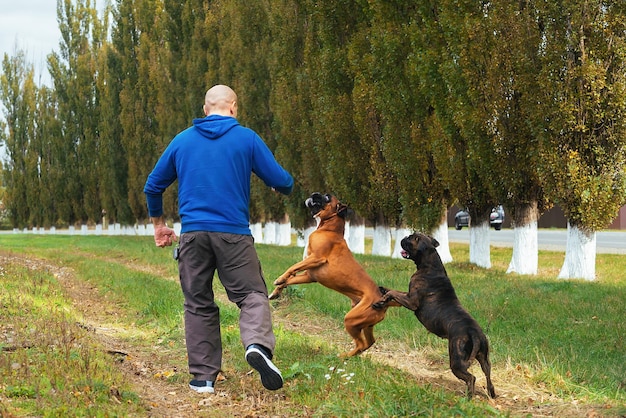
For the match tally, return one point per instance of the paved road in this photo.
(609, 242)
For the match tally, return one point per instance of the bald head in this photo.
(220, 100)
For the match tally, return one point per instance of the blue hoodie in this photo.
(213, 161)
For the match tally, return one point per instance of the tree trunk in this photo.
(580, 254)
(355, 235)
(310, 226)
(269, 232)
(283, 232)
(382, 240)
(400, 233)
(480, 244)
(307, 232)
(301, 239)
(441, 235)
(525, 258)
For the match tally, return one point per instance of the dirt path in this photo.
(147, 368)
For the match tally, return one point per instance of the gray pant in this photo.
(239, 269)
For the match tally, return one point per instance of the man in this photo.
(213, 161)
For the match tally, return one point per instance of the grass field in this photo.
(70, 302)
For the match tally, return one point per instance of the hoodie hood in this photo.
(214, 126)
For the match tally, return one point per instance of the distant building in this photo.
(620, 221)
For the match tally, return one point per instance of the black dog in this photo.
(434, 301)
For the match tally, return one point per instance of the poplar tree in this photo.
(343, 154)
(381, 99)
(511, 93)
(112, 157)
(244, 40)
(498, 54)
(18, 95)
(137, 37)
(181, 76)
(438, 163)
(392, 91)
(43, 204)
(453, 53)
(290, 103)
(74, 75)
(185, 60)
(350, 154)
(583, 120)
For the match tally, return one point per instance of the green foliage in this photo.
(400, 109)
(290, 101)
(18, 96)
(583, 131)
(375, 69)
(345, 144)
(139, 39)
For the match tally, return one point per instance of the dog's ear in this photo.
(425, 242)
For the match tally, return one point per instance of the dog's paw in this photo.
(380, 304)
(383, 301)
(275, 294)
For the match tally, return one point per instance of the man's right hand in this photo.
(164, 236)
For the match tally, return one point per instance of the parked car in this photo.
(496, 218)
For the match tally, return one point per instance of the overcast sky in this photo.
(29, 25)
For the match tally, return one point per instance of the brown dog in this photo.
(434, 301)
(330, 262)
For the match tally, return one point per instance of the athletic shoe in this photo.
(202, 386)
(257, 357)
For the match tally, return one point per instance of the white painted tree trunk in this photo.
(480, 250)
(382, 240)
(397, 248)
(300, 238)
(257, 231)
(283, 234)
(580, 254)
(307, 233)
(441, 235)
(355, 237)
(525, 258)
(269, 233)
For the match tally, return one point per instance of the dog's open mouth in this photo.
(316, 202)
(314, 207)
(404, 254)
